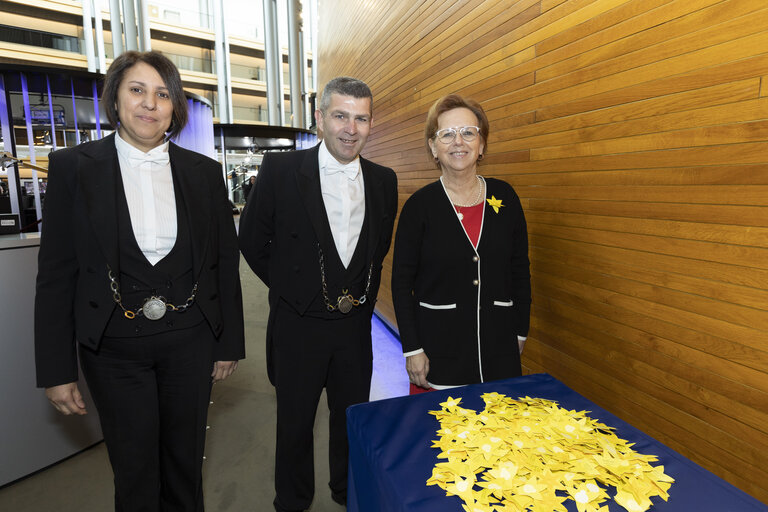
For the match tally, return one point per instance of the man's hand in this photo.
(417, 366)
(66, 398)
(222, 370)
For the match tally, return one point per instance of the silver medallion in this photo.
(154, 308)
(345, 304)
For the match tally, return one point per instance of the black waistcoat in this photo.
(353, 278)
(171, 278)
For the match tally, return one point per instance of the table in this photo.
(390, 457)
(34, 434)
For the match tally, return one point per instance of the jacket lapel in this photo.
(98, 172)
(308, 182)
(191, 179)
(374, 206)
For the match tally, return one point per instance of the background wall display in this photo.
(635, 133)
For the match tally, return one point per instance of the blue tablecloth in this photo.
(390, 458)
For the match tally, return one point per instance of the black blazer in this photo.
(79, 240)
(285, 219)
(464, 306)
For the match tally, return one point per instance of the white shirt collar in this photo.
(327, 161)
(136, 156)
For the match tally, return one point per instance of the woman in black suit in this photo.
(460, 277)
(138, 273)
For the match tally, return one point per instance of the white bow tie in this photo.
(350, 170)
(160, 158)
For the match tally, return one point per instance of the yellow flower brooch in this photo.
(495, 203)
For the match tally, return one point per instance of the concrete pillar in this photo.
(274, 64)
(88, 36)
(129, 24)
(116, 26)
(100, 55)
(145, 39)
(296, 63)
(220, 54)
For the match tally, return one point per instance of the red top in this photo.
(472, 221)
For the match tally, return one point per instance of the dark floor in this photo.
(240, 454)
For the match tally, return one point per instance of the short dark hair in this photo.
(167, 71)
(346, 86)
(450, 102)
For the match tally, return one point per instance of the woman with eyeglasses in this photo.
(460, 277)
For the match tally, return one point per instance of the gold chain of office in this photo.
(153, 308)
(346, 301)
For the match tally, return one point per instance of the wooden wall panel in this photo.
(636, 134)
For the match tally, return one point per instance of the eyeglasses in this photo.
(448, 135)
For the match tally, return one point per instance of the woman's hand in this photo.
(222, 370)
(66, 398)
(417, 366)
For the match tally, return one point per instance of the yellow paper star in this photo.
(495, 203)
(631, 503)
(531, 455)
(531, 488)
(461, 487)
(477, 507)
(451, 402)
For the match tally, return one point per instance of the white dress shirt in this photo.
(148, 185)
(344, 198)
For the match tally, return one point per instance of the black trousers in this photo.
(152, 395)
(310, 354)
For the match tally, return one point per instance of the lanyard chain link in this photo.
(345, 302)
(153, 308)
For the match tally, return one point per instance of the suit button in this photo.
(168, 284)
(214, 266)
(138, 329)
(94, 305)
(169, 323)
(475, 282)
(294, 234)
(475, 259)
(134, 287)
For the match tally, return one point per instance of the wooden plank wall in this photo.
(636, 133)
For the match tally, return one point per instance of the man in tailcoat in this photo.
(316, 229)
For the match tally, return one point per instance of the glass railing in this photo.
(39, 38)
(258, 114)
(249, 72)
(250, 114)
(251, 29)
(185, 62)
(188, 63)
(178, 14)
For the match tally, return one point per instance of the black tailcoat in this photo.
(309, 348)
(79, 242)
(286, 219)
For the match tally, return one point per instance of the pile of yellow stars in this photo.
(530, 455)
